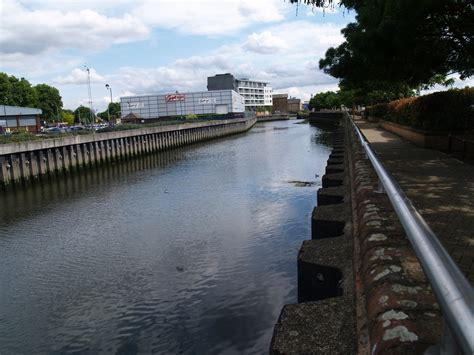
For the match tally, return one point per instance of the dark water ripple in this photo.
(187, 251)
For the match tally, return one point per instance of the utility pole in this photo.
(92, 118)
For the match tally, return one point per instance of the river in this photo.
(191, 250)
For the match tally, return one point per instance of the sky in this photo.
(162, 46)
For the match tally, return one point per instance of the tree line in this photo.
(19, 92)
(398, 47)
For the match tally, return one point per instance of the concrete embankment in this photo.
(273, 118)
(28, 161)
(361, 288)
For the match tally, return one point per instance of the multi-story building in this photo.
(280, 104)
(294, 105)
(149, 107)
(255, 93)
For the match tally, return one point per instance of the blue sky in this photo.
(159, 46)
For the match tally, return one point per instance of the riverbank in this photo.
(360, 251)
(28, 161)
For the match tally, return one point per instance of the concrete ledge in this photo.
(322, 265)
(328, 221)
(336, 156)
(332, 180)
(333, 161)
(331, 195)
(335, 168)
(322, 327)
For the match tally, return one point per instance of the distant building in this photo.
(280, 103)
(15, 118)
(255, 93)
(152, 107)
(294, 105)
(306, 105)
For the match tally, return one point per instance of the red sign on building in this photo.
(175, 97)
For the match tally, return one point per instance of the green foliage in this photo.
(68, 116)
(264, 109)
(82, 114)
(113, 110)
(50, 101)
(401, 43)
(19, 92)
(16, 92)
(191, 117)
(441, 111)
(16, 137)
(325, 100)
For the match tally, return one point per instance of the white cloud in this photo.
(36, 65)
(208, 17)
(79, 77)
(34, 32)
(264, 43)
(293, 68)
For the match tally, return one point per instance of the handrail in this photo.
(453, 292)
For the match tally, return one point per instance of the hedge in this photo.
(451, 110)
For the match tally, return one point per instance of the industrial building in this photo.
(255, 93)
(280, 104)
(15, 118)
(151, 107)
(294, 105)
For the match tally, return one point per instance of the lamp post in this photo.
(111, 100)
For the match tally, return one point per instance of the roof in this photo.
(280, 96)
(19, 111)
(131, 116)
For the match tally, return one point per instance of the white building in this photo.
(221, 102)
(255, 93)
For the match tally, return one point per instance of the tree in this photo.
(113, 110)
(50, 101)
(16, 92)
(19, 92)
(68, 116)
(400, 45)
(5, 89)
(82, 114)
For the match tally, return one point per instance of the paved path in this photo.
(440, 186)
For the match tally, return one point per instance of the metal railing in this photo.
(453, 291)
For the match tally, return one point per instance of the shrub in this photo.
(450, 110)
(191, 117)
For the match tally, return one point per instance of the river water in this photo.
(187, 251)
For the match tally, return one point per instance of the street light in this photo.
(111, 101)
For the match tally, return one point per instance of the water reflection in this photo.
(186, 251)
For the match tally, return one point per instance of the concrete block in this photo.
(321, 265)
(331, 180)
(334, 161)
(328, 221)
(335, 168)
(321, 327)
(331, 195)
